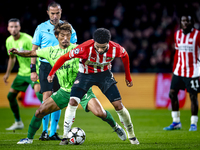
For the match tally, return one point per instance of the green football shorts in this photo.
(21, 83)
(61, 98)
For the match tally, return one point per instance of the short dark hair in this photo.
(187, 13)
(14, 20)
(102, 35)
(64, 25)
(53, 4)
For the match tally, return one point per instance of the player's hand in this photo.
(5, 78)
(50, 78)
(13, 50)
(129, 84)
(34, 76)
(110, 66)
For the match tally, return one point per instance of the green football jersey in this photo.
(68, 71)
(23, 43)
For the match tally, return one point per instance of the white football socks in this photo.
(70, 114)
(125, 119)
(194, 120)
(176, 116)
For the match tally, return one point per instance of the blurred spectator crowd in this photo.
(144, 28)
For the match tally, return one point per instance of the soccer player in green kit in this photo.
(66, 76)
(20, 41)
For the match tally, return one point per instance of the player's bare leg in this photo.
(194, 111)
(15, 109)
(45, 121)
(70, 114)
(45, 108)
(176, 124)
(37, 92)
(97, 109)
(125, 119)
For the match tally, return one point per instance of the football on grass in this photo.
(76, 136)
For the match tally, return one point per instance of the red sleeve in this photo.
(198, 39)
(82, 50)
(176, 46)
(176, 52)
(78, 52)
(120, 51)
(59, 63)
(125, 60)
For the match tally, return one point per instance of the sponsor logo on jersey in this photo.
(76, 51)
(96, 63)
(92, 58)
(190, 40)
(76, 82)
(108, 58)
(188, 48)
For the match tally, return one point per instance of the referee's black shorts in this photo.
(44, 70)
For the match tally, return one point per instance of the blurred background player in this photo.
(44, 37)
(20, 41)
(95, 57)
(186, 70)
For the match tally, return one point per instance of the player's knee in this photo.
(36, 88)
(39, 113)
(173, 95)
(11, 96)
(118, 105)
(99, 113)
(193, 98)
(74, 101)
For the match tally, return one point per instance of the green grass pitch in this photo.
(148, 125)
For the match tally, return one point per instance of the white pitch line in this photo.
(15, 133)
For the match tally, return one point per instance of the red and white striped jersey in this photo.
(93, 62)
(186, 58)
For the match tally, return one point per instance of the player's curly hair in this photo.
(64, 25)
(102, 35)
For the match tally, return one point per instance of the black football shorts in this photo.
(104, 80)
(182, 83)
(44, 70)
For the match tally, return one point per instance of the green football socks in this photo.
(34, 126)
(14, 105)
(109, 119)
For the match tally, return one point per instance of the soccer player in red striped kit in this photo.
(186, 71)
(95, 57)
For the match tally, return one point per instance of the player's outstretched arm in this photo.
(11, 63)
(24, 53)
(59, 63)
(125, 60)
